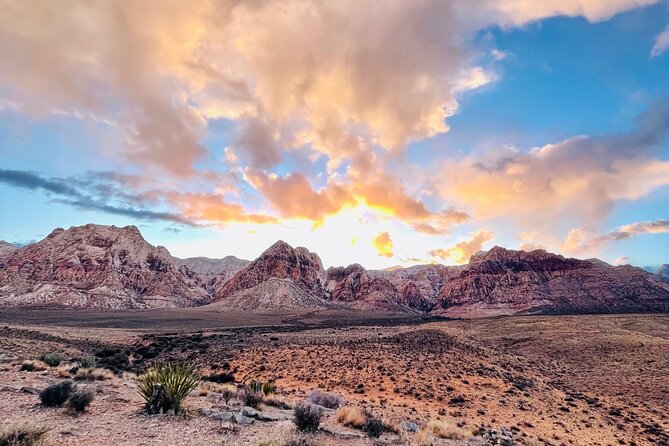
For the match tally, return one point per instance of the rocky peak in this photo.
(103, 266)
(663, 271)
(280, 261)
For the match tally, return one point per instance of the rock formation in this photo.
(282, 277)
(97, 266)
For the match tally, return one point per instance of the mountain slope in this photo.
(503, 281)
(215, 272)
(282, 277)
(97, 266)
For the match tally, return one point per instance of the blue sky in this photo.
(398, 139)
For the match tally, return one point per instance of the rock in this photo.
(409, 426)
(275, 416)
(239, 418)
(249, 411)
(223, 416)
(30, 390)
(215, 272)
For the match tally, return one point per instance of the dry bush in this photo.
(278, 402)
(94, 375)
(351, 416)
(23, 435)
(56, 394)
(327, 400)
(307, 416)
(423, 438)
(529, 441)
(443, 429)
(33, 366)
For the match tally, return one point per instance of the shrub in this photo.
(307, 416)
(79, 400)
(32, 366)
(26, 435)
(56, 394)
(327, 400)
(267, 388)
(176, 381)
(423, 438)
(373, 426)
(87, 362)
(52, 359)
(221, 378)
(228, 393)
(351, 416)
(278, 403)
(251, 398)
(443, 429)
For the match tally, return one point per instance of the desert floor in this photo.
(548, 380)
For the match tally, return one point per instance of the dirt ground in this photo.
(600, 380)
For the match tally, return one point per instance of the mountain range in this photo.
(108, 267)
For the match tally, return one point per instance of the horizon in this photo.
(416, 133)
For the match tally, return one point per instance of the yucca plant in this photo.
(165, 386)
(258, 386)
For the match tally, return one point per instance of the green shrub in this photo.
(267, 388)
(56, 394)
(307, 416)
(26, 435)
(52, 359)
(373, 426)
(177, 381)
(79, 400)
(87, 362)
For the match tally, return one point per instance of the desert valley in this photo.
(580, 356)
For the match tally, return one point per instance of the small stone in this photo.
(408, 426)
(241, 419)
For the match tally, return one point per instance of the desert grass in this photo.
(33, 365)
(94, 375)
(445, 430)
(22, 435)
(351, 416)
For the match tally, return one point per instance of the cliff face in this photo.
(510, 282)
(97, 266)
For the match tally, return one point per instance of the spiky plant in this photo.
(176, 381)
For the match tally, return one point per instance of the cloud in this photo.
(383, 244)
(661, 43)
(579, 178)
(293, 197)
(255, 137)
(77, 198)
(580, 240)
(520, 12)
(213, 208)
(462, 251)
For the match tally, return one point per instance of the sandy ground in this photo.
(555, 380)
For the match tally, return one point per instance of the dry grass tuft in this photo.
(444, 429)
(423, 438)
(22, 435)
(33, 366)
(351, 416)
(94, 375)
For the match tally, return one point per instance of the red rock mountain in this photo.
(107, 267)
(282, 277)
(503, 281)
(97, 266)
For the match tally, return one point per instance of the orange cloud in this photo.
(383, 244)
(579, 240)
(294, 197)
(461, 252)
(214, 209)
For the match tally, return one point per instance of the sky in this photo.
(386, 133)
